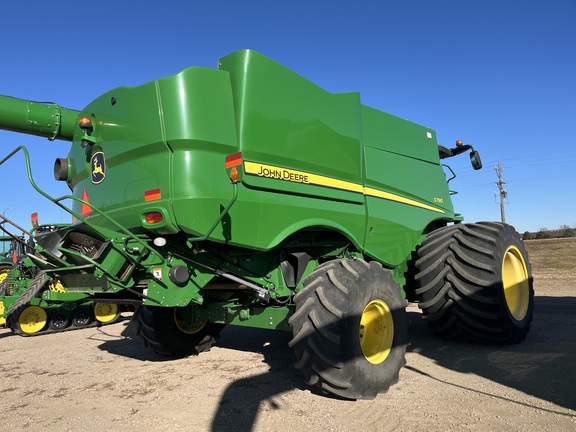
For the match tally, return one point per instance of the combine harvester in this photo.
(247, 195)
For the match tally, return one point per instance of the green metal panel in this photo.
(386, 132)
(286, 121)
(166, 136)
(258, 316)
(405, 185)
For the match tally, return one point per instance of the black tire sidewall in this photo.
(374, 285)
(167, 339)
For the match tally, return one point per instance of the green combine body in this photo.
(248, 195)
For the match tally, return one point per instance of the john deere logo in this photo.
(98, 165)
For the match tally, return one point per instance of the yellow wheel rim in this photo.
(515, 282)
(32, 319)
(185, 326)
(376, 331)
(105, 312)
(3, 274)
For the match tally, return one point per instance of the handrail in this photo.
(79, 217)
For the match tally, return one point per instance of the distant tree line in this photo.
(545, 233)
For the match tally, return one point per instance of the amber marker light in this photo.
(459, 142)
(234, 175)
(84, 123)
(154, 217)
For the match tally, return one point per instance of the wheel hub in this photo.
(515, 282)
(105, 312)
(376, 331)
(32, 319)
(188, 326)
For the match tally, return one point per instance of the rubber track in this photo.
(28, 294)
(48, 330)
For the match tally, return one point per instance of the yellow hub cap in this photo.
(185, 326)
(105, 312)
(32, 319)
(516, 284)
(376, 331)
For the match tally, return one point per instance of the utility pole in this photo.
(503, 193)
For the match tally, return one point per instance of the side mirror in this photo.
(475, 160)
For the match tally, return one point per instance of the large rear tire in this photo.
(473, 281)
(167, 333)
(350, 329)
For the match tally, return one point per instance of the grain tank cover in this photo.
(292, 128)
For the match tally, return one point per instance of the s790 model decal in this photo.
(278, 173)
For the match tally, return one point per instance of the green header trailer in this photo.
(33, 303)
(247, 195)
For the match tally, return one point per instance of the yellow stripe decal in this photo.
(397, 198)
(270, 171)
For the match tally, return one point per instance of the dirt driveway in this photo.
(104, 379)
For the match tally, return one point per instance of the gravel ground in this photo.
(104, 379)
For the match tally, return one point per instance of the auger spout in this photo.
(44, 119)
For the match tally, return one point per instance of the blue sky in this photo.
(500, 75)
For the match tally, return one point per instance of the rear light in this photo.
(154, 217)
(34, 220)
(84, 123)
(160, 241)
(232, 162)
(152, 195)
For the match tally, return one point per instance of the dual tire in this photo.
(473, 281)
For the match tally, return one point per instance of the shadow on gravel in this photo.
(543, 365)
(128, 344)
(245, 398)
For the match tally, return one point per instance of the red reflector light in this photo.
(152, 194)
(233, 160)
(34, 220)
(154, 217)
